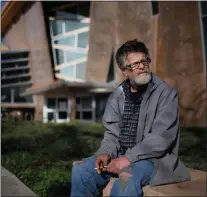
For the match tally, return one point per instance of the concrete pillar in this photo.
(39, 103)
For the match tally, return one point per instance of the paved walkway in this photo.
(12, 186)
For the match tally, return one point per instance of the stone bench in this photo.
(195, 187)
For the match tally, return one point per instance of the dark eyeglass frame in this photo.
(134, 65)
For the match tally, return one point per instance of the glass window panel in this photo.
(15, 92)
(50, 116)
(71, 56)
(84, 9)
(111, 75)
(81, 70)
(69, 41)
(62, 103)
(17, 97)
(68, 71)
(78, 101)
(57, 27)
(29, 99)
(24, 79)
(9, 81)
(204, 7)
(5, 95)
(28, 116)
(51, 103)
(16, 72)
(3, 3)
(205, 35)
(59, 56)
(101, 101)
(86, 102)
(83, 40)
(77, 115)
(87, 115)
(74, 25)
(63, 115)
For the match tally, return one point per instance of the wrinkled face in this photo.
(137, 69)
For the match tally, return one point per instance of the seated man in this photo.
(141, 141)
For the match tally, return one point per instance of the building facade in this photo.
(71, 48)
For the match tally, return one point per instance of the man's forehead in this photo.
(136, 56)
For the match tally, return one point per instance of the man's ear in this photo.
(124, 72)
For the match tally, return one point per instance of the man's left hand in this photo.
(117, 165)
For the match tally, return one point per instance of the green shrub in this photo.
(38, 172)
(41, 155)
(193, 147)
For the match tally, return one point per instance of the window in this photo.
(62, 104)
(51, 103)
(3, 3)
(155, 8)
(62, 115)
(203, 6)
(111, 69)
(69, 37)
(5, 95)
(13, 95)
(84, 108)
(16, 77)
(17, 95)
(101, 101)
(57, 110)
(50, 116)
(28, 116)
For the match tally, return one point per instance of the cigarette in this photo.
(100, 167)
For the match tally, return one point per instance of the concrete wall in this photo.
(112, 24)
(28, 31)
(180, 60)
(173, 38)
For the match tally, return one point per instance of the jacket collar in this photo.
(155, 81)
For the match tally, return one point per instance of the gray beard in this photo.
(141, 80)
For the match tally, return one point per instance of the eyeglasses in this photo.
(135, 65)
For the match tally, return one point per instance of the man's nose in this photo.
(141, 65)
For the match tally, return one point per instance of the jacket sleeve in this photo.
(163, 132)
(110, 142)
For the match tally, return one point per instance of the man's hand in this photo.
(101, 161)
(117, 165)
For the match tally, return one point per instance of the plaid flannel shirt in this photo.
(128, 133)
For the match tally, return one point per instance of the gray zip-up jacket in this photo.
(157, 132)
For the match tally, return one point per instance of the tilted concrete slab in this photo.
(12, 186)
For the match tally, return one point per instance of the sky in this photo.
(3, 4)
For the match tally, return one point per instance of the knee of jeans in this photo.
(125, 177)
(77, 169)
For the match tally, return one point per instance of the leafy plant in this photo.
(41, 155)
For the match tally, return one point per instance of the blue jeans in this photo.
(87, 182)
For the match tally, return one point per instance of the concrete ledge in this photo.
(12, 186)
(195, 187)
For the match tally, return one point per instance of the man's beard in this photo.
(140, 80)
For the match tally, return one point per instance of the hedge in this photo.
(41, 155)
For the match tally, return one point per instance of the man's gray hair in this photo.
(129, 47)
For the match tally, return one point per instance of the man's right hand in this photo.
(102, 160)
